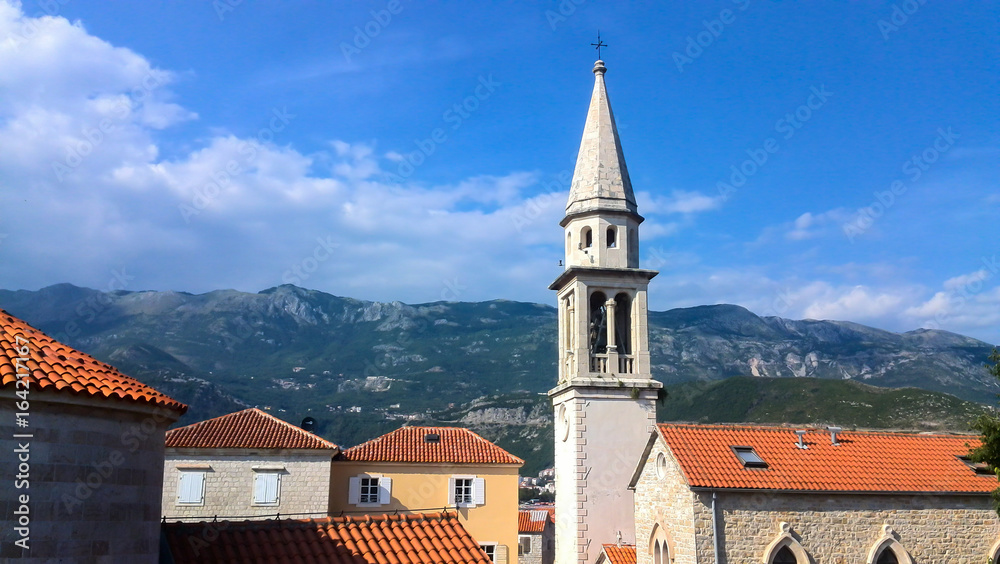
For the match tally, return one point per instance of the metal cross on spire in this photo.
(599, 44)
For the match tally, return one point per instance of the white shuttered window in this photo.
(265, 488)
(191, 488)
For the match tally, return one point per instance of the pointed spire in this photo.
(600, 181)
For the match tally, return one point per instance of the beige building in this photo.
(417, 469)
(85, 469)
(246, 465)
(777, 496)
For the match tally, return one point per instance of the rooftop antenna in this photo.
(599, 44)
(801, 444)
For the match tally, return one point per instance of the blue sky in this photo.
(413, 152)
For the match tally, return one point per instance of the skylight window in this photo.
(749, 457)
(980, 468)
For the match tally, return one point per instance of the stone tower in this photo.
(604, 401)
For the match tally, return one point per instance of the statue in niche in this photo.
(598, 326)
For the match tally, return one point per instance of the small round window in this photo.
(661, 465)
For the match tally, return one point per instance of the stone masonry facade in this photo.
(832, 528)
(94, 482)
(229, 483)
(541, 547)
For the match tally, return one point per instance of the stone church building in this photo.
(685, 494)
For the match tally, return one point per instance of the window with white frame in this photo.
(266, 486)
(191, 487)
(490, 550)
(369, 490)
(466, 491)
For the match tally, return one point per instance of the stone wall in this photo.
(229, 483)
(542, 547)
(94, 481)
(841, 529)
(663, 501)
(831, 528)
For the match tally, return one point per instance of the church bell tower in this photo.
(605, 399)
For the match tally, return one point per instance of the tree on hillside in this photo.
(989, 425)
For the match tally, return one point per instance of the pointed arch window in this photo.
(888, 550)
(785, 548)
(659, 546)
(784, 556)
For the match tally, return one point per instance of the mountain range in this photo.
(362, 367)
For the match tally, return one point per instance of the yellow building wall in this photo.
(423, 487)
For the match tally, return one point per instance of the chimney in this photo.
(833, 435)
(308, 424)
(801, 444)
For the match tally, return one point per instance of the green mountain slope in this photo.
(812, 401)
(362, 368)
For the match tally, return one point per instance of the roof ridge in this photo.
(780, 427)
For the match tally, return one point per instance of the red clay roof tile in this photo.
(250, 428)
(54, 367)
(429, 538)
(532, 521)
(624, 554)
(455, 445)
(862, 462)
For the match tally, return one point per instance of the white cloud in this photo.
(679, 202)
(809, 225)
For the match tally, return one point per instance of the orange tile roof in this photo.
(432, 538)
(456, 445)
(250, 428)
(55, 367)
(862, 462)
(624, 554)
(532, 521)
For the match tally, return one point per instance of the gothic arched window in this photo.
(887, 557)
(784, 556)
